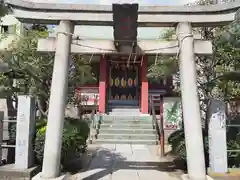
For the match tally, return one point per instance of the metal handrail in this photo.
(94, 120)
(230, 126)
(158, 125)
(2, 141)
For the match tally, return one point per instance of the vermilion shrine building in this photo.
(123, 84)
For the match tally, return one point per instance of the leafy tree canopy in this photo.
(31, 71)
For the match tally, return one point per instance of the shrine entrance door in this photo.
(123, 84)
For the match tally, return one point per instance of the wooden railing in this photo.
(158, 123)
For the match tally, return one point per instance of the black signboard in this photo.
(125, 24)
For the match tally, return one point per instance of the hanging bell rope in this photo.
(135, 57)
(142, 60)
(91, 58)
(130, 55)
(156, 57)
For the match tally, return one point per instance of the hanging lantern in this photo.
(117, 82)
(123, 83)
(111, 82)
(135, 82)
(130, 82)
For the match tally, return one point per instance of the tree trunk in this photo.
(42, 106)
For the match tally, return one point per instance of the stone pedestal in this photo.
(26, 114)
(61, 177)
(24, 160)
(186, 177)
(218, 161)
(10, 172)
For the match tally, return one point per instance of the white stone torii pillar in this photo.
(57, 104)
(190, 103)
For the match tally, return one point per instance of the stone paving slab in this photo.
(93, 174)
(227, 178)
(125, 174)
(127, 162)
(123, 148)
(109, 146)
(155, 175)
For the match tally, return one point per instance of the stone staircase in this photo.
(124, 110)
(123, 127)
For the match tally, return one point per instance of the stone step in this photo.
(123, 107)
(126, 141)
(125, 110)
(126, 126)
(121, 113)
(128, 136)
(126, 131)
(122, 122)
(125, 117)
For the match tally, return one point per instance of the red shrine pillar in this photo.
(144, 87)
(102, 85)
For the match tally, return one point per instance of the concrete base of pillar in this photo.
(61, 177)
(185, 177)
(231, 172)
(10, 172)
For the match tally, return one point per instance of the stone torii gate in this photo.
(68, 15)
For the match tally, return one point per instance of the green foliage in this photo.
(163, 67)
(3, 9)
(168, 34)
(226, 57)
(32, 71)
(75, 134)
(23, 58)
(177, 142)
(12, 127)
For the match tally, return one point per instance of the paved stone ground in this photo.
(128, 162)
(227, 178)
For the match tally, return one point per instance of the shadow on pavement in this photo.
(107, 162)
